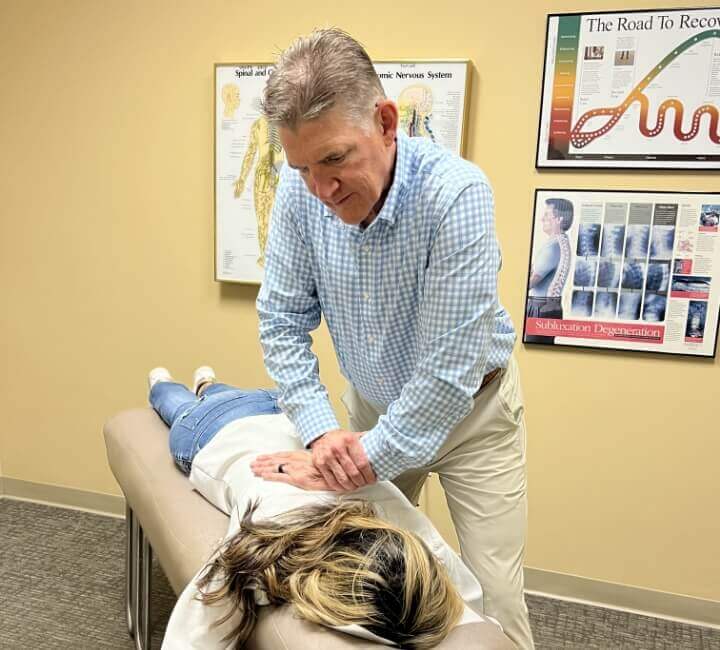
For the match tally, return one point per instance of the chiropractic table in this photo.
(166, 518)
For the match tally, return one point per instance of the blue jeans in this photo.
(194, 421)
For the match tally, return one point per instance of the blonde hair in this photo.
(326, 69)
(338, 564)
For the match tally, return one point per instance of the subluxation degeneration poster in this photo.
(625, 270)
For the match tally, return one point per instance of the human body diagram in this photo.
(264, 150)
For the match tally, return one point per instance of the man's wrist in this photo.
(313, 419)
(320, 437)
(312, 444)
(358, 434)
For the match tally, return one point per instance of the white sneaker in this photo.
(158, 374)
(202, 376)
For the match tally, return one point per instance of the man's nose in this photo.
(325, 187)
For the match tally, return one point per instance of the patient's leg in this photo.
(199, 420)
(170, 400)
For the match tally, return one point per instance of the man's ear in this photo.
(388, 119)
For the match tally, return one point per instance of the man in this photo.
(551, 266)
(392, 240)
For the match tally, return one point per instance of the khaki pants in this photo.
(481, 467)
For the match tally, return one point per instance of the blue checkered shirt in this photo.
(410, 302)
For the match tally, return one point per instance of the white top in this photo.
(221, 473)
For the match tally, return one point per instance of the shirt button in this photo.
(371, 338)
(380, 381)
(366, 295)
(366, 248)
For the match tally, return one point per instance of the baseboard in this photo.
(659, 604)
(64, 497)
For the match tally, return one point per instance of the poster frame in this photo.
(675, 167)
(604, 348)
(465, 63)
(253, 283)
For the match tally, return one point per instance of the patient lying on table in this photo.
(366, 563)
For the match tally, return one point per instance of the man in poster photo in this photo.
(550, 266)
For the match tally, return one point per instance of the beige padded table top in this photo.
(183, 528)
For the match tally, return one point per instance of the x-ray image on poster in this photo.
(638, 89)
(431, 97)
(626, 270)
(248, 159)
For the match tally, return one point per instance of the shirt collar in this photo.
(399, 184)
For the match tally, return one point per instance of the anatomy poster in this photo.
(431, 98)
(248, 159)
(625, 270)
(639, 89)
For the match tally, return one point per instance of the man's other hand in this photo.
(341, 460)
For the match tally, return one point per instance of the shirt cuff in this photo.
(384, 459)
(314, 419)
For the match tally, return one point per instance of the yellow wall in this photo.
(107, 253)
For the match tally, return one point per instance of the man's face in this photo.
(347, 166)
(550, 223)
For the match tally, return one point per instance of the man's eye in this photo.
(336, 159)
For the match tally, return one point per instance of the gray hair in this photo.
(318, 72)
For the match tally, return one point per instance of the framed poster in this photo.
(625, 270)
(635, 89)
(432, 99)
(248, 159)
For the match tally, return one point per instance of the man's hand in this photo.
(270, 463)
(297, 470)
(341, 460)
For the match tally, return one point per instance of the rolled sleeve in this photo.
(288, 310)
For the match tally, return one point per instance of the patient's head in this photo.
(338, 564)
